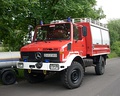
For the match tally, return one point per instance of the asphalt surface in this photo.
(93, 85)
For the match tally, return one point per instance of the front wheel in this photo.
(72, 77)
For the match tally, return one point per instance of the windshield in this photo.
(53, 32)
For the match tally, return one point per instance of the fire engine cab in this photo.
(66, 47)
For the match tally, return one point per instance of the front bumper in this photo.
(42, 66)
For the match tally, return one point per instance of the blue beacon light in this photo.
(68, 19)
(41, 22)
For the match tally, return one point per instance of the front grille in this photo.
(31, 57)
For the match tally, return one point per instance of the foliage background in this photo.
(16, 15)
(114, 29)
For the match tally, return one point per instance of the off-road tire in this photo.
(72, 77)
(8, 77)
(34, 77)
(100, 66)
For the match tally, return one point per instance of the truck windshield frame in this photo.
(53, 32)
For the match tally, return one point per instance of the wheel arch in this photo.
(76, 58)
(80, 60)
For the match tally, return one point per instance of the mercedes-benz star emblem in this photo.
(38, 55)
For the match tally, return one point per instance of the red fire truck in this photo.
(66, 47)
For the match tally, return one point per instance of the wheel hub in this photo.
(75, 76)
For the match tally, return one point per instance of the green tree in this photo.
(114, 27)
(13, 22)
(60, 9)
(16, 15)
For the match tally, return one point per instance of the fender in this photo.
(72, 57)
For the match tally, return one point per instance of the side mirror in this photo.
(30, 28)
(84, 31)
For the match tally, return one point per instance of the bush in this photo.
(14, 41)
(116, 47)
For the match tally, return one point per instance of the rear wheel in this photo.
(72, 77)
(100, 66)
(34, 77)
(8, 77)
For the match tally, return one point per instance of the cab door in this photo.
(79, 41)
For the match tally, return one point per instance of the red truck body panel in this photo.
(87, 43)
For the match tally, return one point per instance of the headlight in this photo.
(50, 55)
(54, 67)
(20, 65)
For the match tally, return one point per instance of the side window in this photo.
(84, 31)
(75, 33)
(41, 34)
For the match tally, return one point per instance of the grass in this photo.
(20, 74)
(113, 55)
